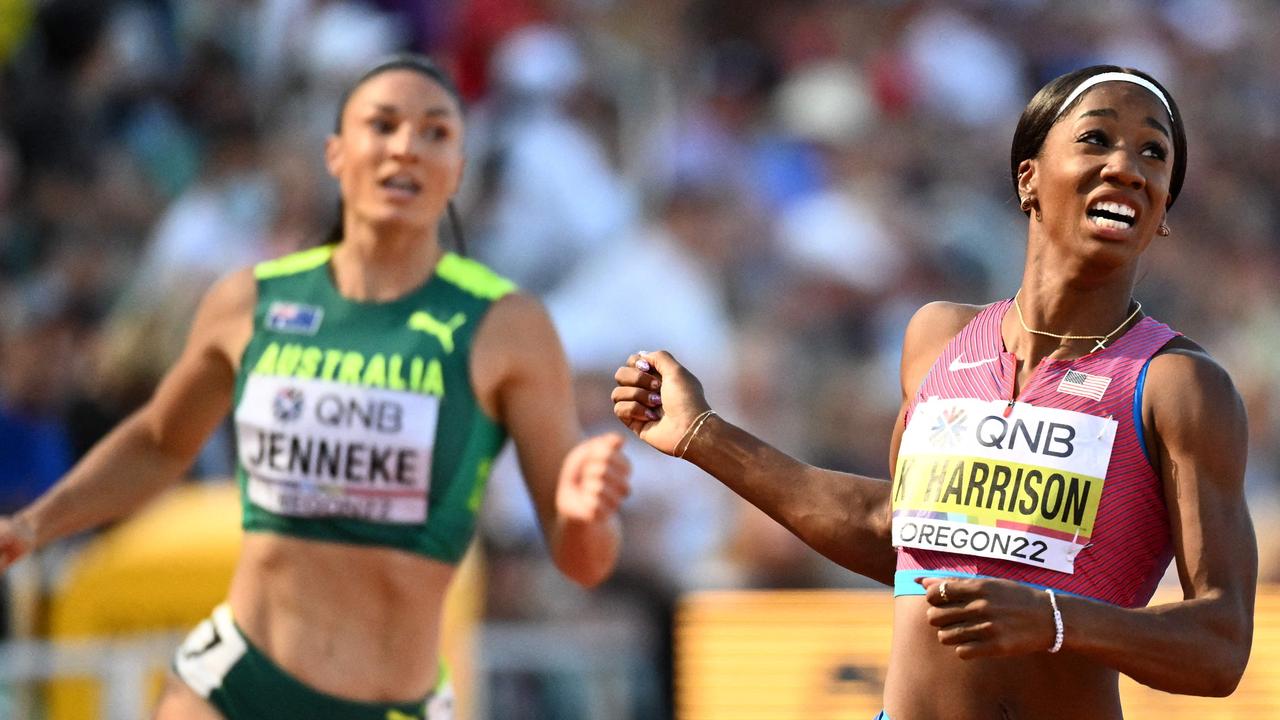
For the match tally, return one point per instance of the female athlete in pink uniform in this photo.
(1053, 452)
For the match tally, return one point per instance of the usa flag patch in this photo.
(294, 318)
(1084, 384)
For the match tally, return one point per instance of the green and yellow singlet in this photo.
(356, 421)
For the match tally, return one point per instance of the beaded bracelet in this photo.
(1057, 622)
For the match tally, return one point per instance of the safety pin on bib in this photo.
(1075, 549)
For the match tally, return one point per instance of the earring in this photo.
(1163, 230)
(1027, 204)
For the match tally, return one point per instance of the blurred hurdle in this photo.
(822, 655)
(128, 597)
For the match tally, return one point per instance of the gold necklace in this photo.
(1102, 339)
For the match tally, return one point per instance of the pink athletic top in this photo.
(1130, 547)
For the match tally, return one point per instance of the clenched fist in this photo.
(987, 617)
(658, 399)
(593, 479)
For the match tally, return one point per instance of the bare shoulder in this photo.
(929, 331)
(224, 320)
(939, 321)
(516, 322)
(1184, 384)
(516, 341)
(1199, 431)
(233, 294)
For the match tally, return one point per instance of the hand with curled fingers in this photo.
(658, 399)
(987, 617)
(17, 538)
(593, 479)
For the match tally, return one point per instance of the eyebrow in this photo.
(1108, 112)
(437, 111)
(1152, 122)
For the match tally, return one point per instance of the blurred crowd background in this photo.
(768, 188)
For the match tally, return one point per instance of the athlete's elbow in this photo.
(586, 576)
(1226, 677)
(850, 542)
(585, 565)
(1218, 683)
(1235, 640)
(1218, 675)
(147, 431)
(1221, 651)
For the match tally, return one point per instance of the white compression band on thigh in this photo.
(1115, 77)
(206, 656)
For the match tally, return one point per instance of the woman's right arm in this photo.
(843, 516)
(151, 449)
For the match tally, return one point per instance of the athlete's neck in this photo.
(1064, 310)
(383, 267)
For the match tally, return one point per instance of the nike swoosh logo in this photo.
(957, 364)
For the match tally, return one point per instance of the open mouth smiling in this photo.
(1112, 215)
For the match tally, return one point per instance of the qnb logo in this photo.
(948, 427)
(287, 405)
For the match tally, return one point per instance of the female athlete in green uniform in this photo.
(372, 382)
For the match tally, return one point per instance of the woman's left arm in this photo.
(576, 485)
(1197, 646)
(1200, 645)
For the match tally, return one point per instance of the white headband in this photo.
(1115, 77)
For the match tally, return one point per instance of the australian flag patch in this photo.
(296, 318)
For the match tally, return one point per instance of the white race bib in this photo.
(314, 448)
(1023, 488)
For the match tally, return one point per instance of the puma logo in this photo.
(442, 331)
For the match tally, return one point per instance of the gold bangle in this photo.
(694, 427)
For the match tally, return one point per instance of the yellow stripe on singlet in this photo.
(293, 263)
(473, 277)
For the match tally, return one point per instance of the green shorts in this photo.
(220, 665)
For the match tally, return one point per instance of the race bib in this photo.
(1023, 488)
(314, 448)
